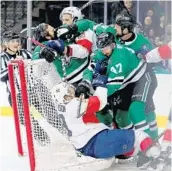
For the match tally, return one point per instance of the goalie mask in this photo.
(74, 12)
(63, 92)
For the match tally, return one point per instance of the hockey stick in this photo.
(81, 97)
(87, 4)
(35, 42)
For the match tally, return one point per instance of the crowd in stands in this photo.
(155, 18)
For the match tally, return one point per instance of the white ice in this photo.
(9, 159)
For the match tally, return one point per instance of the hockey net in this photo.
(39, 127)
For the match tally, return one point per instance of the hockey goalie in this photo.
(88, 135)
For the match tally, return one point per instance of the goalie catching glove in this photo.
(84, 87)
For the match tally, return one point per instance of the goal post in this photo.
(40, 131)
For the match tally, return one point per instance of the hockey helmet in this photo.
(63, 92)
(8, 35)
(125, 21)
(40, 31)
(105, 39)
(73, 11)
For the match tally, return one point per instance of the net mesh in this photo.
(52, 149)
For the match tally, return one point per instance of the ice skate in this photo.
(162, 162)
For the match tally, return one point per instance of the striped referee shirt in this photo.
(5, 58)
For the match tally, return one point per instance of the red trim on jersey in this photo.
(92, 108)
(85, 43)
(165, 52)
(69, 51)
(145, 144)
(167, 135)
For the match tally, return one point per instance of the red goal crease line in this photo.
(161, 119)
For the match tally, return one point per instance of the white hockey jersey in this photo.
(83, 125)
(158, 54)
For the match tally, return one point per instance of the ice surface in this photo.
(9, 159)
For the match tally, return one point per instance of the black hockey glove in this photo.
(101, 67)
(48, 54)
(83, 88)
(65, 32)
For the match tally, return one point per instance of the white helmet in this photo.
(63, 92)
(75, 12)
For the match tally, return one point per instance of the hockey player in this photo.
(123, 31)
(130, 82)
(70, 59)
(87, 134)
(74, 22)
(12, 51)
(164, 160)
(159, 53)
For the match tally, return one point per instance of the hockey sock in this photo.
(151, 119)
(143, 143)
(137, 115)
(105, 118)
(167, 139)
(123, 120)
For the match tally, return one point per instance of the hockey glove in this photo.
(57, 45)
(99, 81)
(101, 67)
(83, 88)
(48, 54)
(65, 32)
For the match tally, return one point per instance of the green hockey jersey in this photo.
(141, 45)
(124, 67)
(74, 66)
(85, 24)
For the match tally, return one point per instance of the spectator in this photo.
(147, 24)
(162, 22)
(168, 32)
(150, 13)
(158, 41)
(151, 35)
(130, 6)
